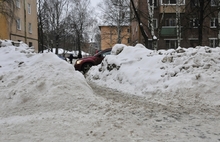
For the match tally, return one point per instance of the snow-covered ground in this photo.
(183, 77)
(62, 52)
(156, 96)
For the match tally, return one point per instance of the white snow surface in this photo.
(43, 98)
(177, 77)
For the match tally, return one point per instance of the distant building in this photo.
(24, 25)
(109, 36)
(165, 23)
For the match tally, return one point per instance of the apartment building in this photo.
(166, 22)
(23, 27)
(109, 36)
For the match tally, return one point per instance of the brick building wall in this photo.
(109, 36)
(24, 26)
(165, 31)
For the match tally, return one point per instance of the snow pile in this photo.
(43, 98)
(182, 77)
(61, 51)
(32, 80)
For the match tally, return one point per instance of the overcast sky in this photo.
(95, 2)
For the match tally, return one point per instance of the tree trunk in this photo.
(57, 43)
(151, 16)
(140, 25)
(119, 35)
(40, 29)
(201, 20)
(57, 27)
(178, 23)
(119, 27)
(219, 23)
(79, 45)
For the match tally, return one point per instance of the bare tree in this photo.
(150, 4)
(7, 11)
(80, 19)
(40, 25)
(178, 22)
(64, 23)
(202, 16)
(57, 18)
(116, 13)
(54, 13)
(95, 36)
(219, 23)
(137, 16)
(45, 38)
(197, 13)
(7, 8)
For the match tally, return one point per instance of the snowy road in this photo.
(42, 103)
(137, 119)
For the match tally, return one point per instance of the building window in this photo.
(18, 22)
(29, 8)
(170, 22)
(18, 3)
(30, 44)
(171, 44)
(193, 23)
(30, 28)
(155, 24)
(214, 2)
(172, 2)
(213, 23)
(213, 42)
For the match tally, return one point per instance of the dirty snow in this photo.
(182, 77)
(136, 95)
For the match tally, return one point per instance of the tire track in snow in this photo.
(167, 122)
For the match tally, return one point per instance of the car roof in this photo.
(108, 49)
(102, 51)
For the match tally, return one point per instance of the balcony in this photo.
(168, 31)
(171, 9)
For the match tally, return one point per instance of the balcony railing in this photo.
(171, 9)
(168, 31)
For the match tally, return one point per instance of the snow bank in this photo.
(43, 98)
(182, 77)
(31, 80)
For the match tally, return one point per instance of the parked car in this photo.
(84, 64)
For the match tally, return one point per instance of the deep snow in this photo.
(157, 96)
(182, 77)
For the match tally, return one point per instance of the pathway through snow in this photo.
(143, 120)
